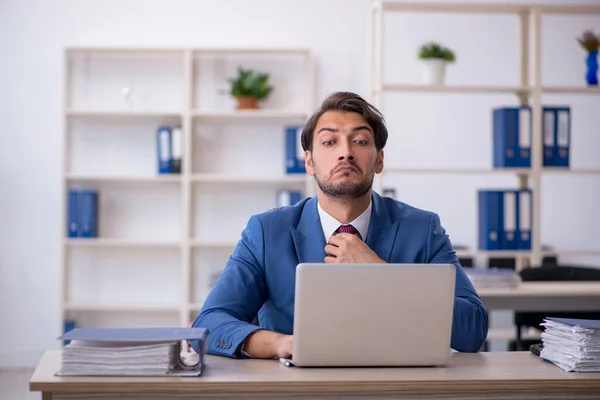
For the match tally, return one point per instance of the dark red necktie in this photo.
(348, 229)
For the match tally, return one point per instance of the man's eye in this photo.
(361, 142)
(328, 142)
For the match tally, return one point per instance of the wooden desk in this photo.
(544, 296)
(507, 375)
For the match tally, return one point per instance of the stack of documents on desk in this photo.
(493, 277)
(132, 352)
(572, 344)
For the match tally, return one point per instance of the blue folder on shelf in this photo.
(525, 219)
(82, 213)
(294, 153)
(151, 351)
(490, 217)
(556, 133)
(512, 133)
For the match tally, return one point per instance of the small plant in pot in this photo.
(434, 58)
(249, 88)
(590, 43)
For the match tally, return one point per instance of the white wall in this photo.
(32, 37)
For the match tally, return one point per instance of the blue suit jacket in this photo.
(260, 275)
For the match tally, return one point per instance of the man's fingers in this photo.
(332, 250)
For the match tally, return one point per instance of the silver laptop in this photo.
(373, 315)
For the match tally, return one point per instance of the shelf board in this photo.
(213, 244)
(121, 243)
(579, 171)
(459, 171)
(524, 253)
(256, 50)
(124, 113)
(123, 50)
(571, 89)
(466, 89)
(488, 8)
(171, 178)
(573, 252)
(260, 114)
(494, 253)
(225, 178)
(77, 306)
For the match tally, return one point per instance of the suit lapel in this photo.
(382, 232)
(308, 235)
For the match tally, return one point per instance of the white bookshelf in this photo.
(155, 252)
(529, 90)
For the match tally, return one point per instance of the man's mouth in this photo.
(346, 168)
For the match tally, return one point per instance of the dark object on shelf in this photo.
(552, 273)
(502, 262)
(466, 260)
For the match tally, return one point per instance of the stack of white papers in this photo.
(572, 344)
(493, 277)
(110, 358)
(151, 351)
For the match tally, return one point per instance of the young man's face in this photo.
(344, 158)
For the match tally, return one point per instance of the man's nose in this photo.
(346, 152)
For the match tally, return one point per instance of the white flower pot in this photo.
(433, 71)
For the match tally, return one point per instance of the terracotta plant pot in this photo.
(247, 103)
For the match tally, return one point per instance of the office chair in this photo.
(554, 273)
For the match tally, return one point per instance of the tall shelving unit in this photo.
(529, 91)
(114, 101)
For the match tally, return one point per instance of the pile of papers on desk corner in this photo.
(572, 344)
(493, 277)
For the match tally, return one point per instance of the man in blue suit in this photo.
(345, 223)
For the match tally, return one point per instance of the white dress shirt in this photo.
(330, 224)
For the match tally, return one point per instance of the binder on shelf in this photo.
(176, 149)
(288, 197)
(151, 351)
(525, 205)
(509, 220)
(548, 133)
(83, 213)
(525, 135)
(88, 213)
(294, 154)
(69, 325)
(512, 133)
(164, 153)
(73, 214)
(556, 131)
(563, 137)
(490, 219)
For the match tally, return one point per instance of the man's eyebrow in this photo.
(360, 128)
(355, 129)
(327, 129)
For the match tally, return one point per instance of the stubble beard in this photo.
(346, 189)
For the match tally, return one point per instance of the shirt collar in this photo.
(330, 224)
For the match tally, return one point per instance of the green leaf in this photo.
(434, 50)
(250, 83)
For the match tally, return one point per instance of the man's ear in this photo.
(379, 163)
(308, 162)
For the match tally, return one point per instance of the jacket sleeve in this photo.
(237, 295)
(470, 319)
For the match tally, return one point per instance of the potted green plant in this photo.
(250, 87)
(434, 58)
(590, 42)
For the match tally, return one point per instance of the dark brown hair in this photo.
(346, 101)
